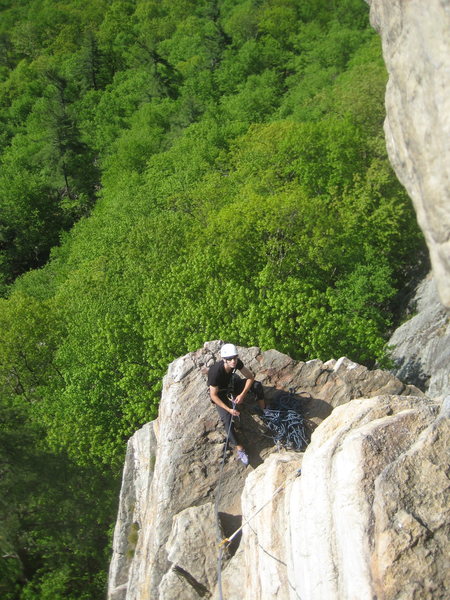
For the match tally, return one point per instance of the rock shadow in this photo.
(254, 433)
(411, 371)
(230, 524)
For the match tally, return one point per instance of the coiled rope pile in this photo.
(285, 421)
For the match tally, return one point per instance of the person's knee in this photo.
(258, 390)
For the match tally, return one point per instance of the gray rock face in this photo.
(263, 565)
(192, 552)
(136, 480)
(167, 531)
(421, 346)
(346, 473)
(412, 519)
(416, 47)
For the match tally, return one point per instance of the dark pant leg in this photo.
(227, 421)
(257, 388)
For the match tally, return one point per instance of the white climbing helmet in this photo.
(228, 350)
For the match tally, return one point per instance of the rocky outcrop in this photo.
(410, 556)
(421, 346)
(136, 480)
(179, 498)
(192, 553)
(263, 565)
(416, 48)
(367, 518)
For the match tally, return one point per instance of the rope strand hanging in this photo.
(216, 505)
(228, 540)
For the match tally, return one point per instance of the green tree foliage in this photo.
(173, 171)
(52, 534)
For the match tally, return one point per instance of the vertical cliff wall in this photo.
(416, 48)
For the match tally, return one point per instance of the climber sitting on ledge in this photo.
(225, 387)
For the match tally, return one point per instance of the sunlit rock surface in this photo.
(410, 555)
(367, 518)
(416, 48)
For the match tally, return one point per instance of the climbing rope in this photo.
(228, 540)
(288, 428)
(285, 421)
(216, 504)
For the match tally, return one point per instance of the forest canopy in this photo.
(174, 171)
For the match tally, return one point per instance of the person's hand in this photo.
(239, 399)
(234, 412)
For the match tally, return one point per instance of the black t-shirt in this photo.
(218, 377)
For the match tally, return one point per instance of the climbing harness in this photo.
(228, 540)
(285, 421)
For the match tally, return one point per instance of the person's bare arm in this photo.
(250, 378)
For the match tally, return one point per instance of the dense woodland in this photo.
(173, 171)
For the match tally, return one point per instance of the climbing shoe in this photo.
(242, 456)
